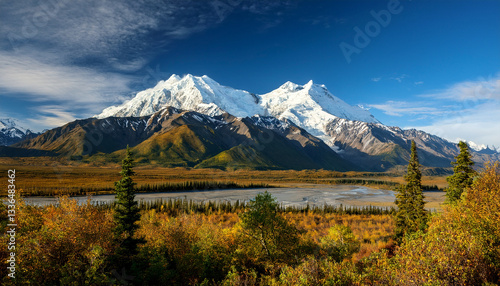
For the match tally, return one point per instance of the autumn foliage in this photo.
(72, 244)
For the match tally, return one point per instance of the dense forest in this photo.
(261, 243)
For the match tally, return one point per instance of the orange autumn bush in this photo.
(68, 244)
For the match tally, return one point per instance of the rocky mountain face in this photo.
(175, 137)
(380, 147)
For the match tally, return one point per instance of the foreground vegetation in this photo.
(180, 242)
(74, 245)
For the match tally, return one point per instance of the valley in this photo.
(62, 178)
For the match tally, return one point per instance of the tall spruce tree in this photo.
(411, 215)
(126, 211)
(463, 174)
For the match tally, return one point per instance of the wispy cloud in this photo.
(321, 20)
(418, 82)
(87, 54)
(400, 108)
(111, 35)
(97, 30)
(467, 110)
(39, 81)
(399, 78)
(78, 31)
(478, 124)
(51, 116)
(470, 90)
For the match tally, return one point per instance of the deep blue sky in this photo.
(434, 66)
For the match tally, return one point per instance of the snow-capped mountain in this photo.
(380, 147)
(310, 106)
(479, 147)
(201, 94)
(351, 131)
(11, 132)
(9, 123)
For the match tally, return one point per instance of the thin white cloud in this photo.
(470, 90)
(401, 108)
(98, 30)
(80, 54)
(39, 81)
(479, 124)
(51, 116)
(76, 30)
(376, 79)
(469, 110)
(418, 82)
(399, 78)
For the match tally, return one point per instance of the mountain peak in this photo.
(173, 78)
(310, 106)
(8, 123)
(197, 93)
(479, 147)
(290, 86)
(11, 132)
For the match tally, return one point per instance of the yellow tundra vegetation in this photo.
(74, 245)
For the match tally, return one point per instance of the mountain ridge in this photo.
(353, 132)
(305, 118)
(174, 137)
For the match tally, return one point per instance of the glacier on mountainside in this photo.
(310, 106)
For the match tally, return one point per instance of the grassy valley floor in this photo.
(54, 178)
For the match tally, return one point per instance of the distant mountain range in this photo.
(195, 121)
(11, 132)
(174, 137)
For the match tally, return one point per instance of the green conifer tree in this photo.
(126, 211)
(411, 215)
(463, 174)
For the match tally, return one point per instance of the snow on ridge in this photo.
(270, 122)
(190, 92)
(8, 123)
(11, 127)
(477, 147)
(310, 106)
(290, 86)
